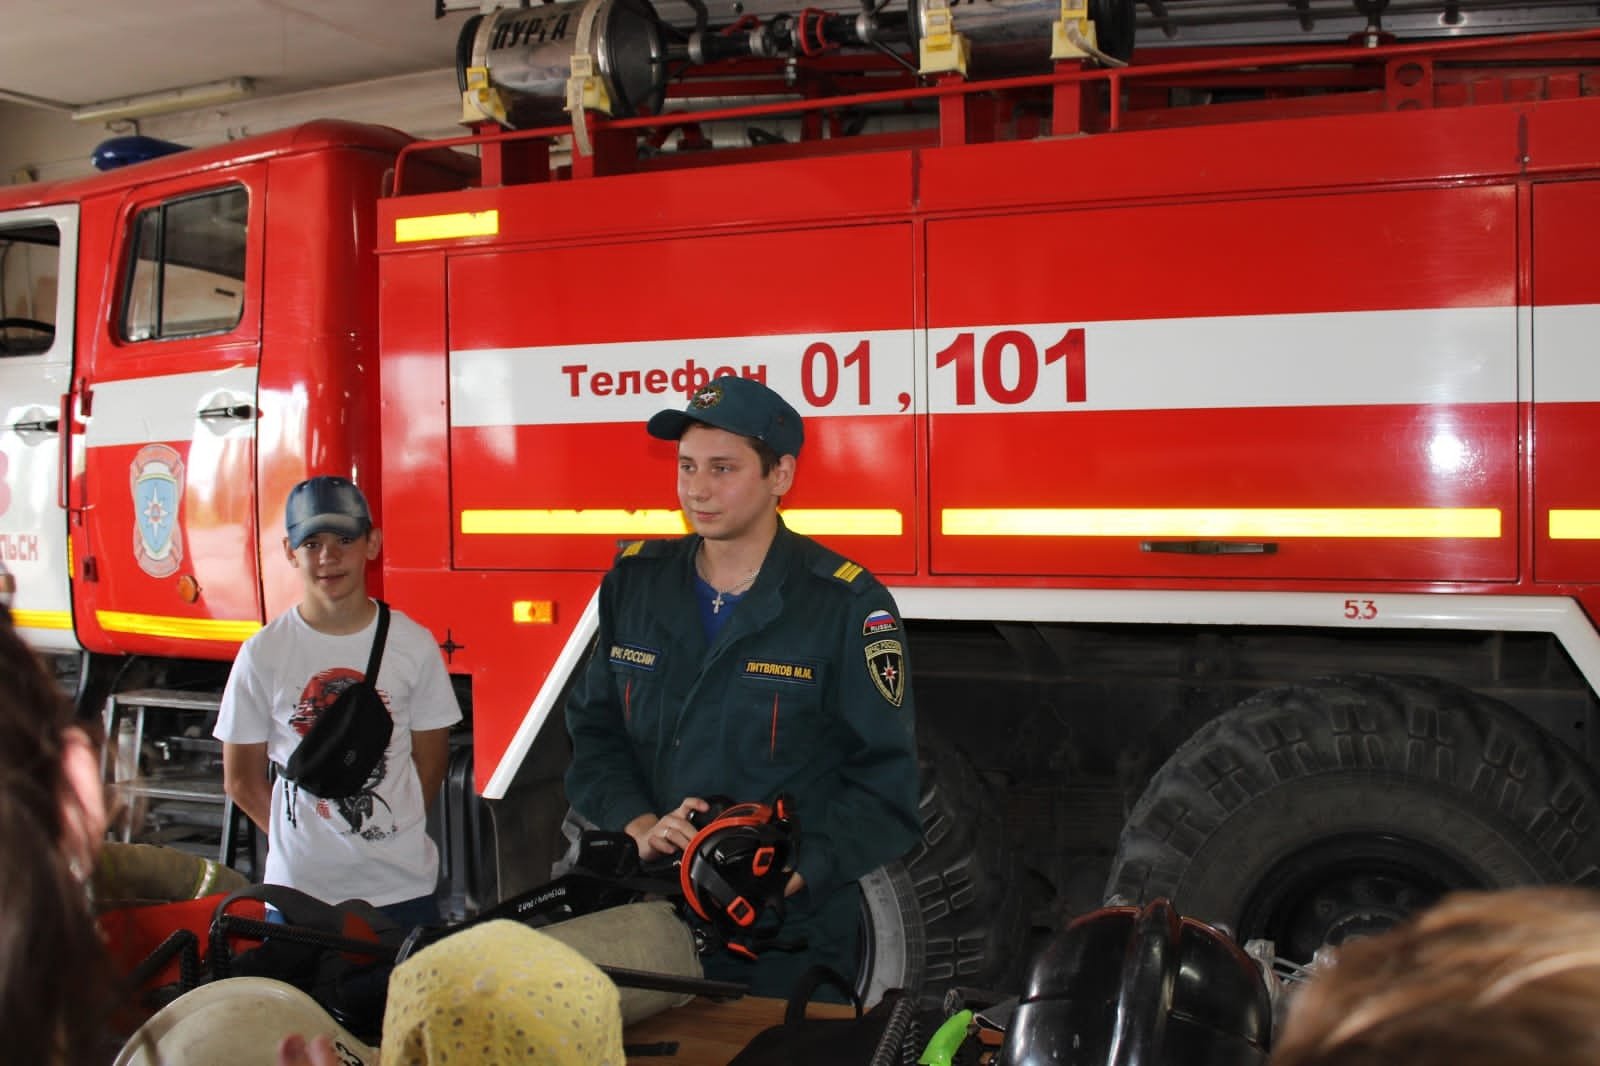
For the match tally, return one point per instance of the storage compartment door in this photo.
(38, 276)
(550, 464)
(1307, 387)
(1566, 383)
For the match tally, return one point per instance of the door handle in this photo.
(236, 412)
(38, 425)
(1210, 547)
(64, 460)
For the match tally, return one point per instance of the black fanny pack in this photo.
(347, 741)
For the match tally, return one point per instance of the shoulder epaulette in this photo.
(843, 570)
(848, 571)
(643, 549)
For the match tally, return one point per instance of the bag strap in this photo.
(379, 639)
(305, 919)
(806, 986)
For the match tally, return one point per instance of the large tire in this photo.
(1331, 809)
(950, 912)
(893, 943)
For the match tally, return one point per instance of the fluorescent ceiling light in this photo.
(187, 98)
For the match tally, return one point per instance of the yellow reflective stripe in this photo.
(865, 522)
(552, 523)
(41, 619)
(156, 625)
(1409, 522)
(446, 227)
(1575, 525)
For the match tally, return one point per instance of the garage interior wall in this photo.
(37, 144)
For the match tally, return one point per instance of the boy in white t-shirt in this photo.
(374, 845)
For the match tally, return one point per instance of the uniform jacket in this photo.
(804, 692)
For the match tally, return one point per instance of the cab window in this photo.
(186, 271)
(30, 269)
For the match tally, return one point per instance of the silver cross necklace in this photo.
(737, 587)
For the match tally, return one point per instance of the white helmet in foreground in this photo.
(239, 1021)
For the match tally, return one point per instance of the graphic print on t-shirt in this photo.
(358, 810)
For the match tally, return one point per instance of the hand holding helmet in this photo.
(735, 871)
(665, 836)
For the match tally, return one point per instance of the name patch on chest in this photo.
(795, 673)
(633, 655)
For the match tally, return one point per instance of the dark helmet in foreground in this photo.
(1131, 986)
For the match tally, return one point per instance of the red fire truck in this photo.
(1220, 421)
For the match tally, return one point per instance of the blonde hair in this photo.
(1483, 978)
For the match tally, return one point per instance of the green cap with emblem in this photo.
(738, 405)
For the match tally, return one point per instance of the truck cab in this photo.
(177, 349)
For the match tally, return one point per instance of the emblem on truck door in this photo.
(156, 478)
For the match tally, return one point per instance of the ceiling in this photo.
(62, 54)
(66, 54)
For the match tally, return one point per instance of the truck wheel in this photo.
(893, 945)
(1323, 811)
(950, 911)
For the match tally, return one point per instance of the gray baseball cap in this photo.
(738, 405)
(325, 504)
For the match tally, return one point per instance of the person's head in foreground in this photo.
(1508, 978)
(53, 972)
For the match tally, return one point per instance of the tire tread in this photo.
(1464, 748)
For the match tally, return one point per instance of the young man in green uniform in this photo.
(746, 661)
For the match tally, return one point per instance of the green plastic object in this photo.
(947, 1040)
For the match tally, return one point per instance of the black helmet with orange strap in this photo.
(735, 869)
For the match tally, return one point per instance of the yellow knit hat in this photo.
(501, 993)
